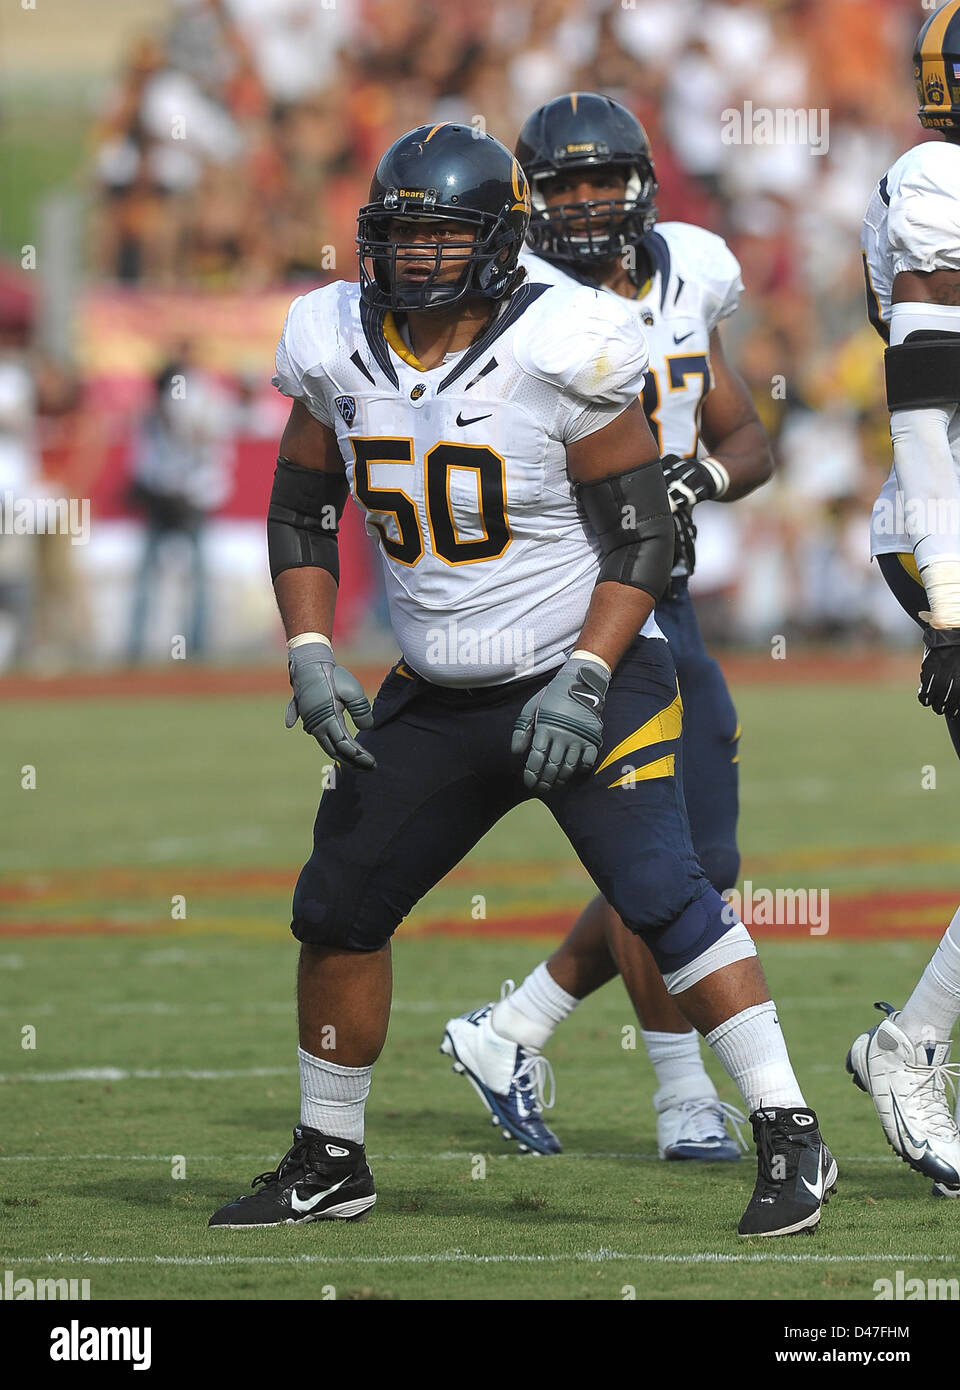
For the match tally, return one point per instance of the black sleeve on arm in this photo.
(923, 371)
(629, 513)
(305, 510)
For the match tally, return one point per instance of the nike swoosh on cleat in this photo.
(815, 1189)
(304, 1205)
(904, 1134)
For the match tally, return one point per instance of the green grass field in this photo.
(160, 1039)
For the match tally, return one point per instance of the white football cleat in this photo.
(693, 1125)
(515, 1083)
(908, 1084)
(942, 1189)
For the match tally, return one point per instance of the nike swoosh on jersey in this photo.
(301, 1205)
(472, 421)
(685, 336)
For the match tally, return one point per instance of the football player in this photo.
(490, 427)
(593, 186)
(911, 255)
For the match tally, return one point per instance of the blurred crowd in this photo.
(239, 141)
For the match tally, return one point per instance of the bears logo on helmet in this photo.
(936, 69)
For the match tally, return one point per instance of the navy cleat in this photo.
(510, 1080)
(320, 1179)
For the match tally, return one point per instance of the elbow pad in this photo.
(923, 371)
(629, 513)
(304, 515)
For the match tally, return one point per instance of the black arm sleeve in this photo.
(923, 371)
(304, 515)
(629, 513)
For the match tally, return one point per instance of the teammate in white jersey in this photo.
(911, 254)
(593, 186)
(491, 429)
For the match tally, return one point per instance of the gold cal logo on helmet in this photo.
(521, 189)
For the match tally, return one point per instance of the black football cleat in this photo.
(796, 1174)
(320, 1179)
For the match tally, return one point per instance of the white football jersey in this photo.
(912, 222)
(462, 469)
(695, 285)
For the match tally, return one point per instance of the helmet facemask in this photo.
(480, 254)
(597, 230)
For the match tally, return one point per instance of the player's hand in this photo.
(561, 728)
(693, 480)
(322, 690)
(940, 671)
(685, 543)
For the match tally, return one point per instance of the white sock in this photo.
(752, 1050)
(676, 1057)
(934, 1006)
(529, 1015)
(332, 1097)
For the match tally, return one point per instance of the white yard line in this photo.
(458, 1155)
(600, 1256)
(163, 1006)
(144, 1074)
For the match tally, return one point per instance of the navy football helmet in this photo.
(578, 132)
(446, 172)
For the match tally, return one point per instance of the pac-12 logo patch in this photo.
(347, 407)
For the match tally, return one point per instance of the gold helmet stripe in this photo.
(573, 101)
(932, 64)
(434, 131)
(932, 50)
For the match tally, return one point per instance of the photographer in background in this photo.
(180, 476)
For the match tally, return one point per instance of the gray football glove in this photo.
(322, 690)
(561, 727)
